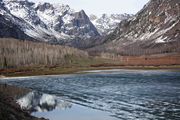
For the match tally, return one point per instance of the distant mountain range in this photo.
(106, 24)
(47, 22)
(154, 29)
(52, 23)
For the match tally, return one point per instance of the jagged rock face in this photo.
(155, 20)
(106, 24)
(8, 28)
(45, 6)
(80, 21)
(155, 29)
(53, 23)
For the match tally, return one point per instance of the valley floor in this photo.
(59, 70)
(162, 61)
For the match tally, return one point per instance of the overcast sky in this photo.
(98, 7)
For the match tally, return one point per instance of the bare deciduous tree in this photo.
(15, 53)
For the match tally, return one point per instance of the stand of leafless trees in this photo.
(15, 53)
(135, 49)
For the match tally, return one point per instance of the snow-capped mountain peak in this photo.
(107, 23)
(54, 23)
(155, 29)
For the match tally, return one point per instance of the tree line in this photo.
(16, 53)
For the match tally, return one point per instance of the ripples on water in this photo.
(125, 94)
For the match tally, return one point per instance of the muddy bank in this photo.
(9, 109)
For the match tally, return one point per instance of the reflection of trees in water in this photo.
(36, 101)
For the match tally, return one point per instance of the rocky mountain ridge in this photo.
(153, 30)
(48, 22)
(106, 24)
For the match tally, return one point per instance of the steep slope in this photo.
(53, 23)
(155, 29)
(9, 28)
(106, 24)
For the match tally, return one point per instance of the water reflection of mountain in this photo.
(40, 102)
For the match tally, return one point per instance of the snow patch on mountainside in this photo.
(107, 23)
(160, 40)
(153, 30)
(49, 22)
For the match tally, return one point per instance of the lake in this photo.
(103, 95)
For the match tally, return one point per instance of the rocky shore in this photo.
(9, 109)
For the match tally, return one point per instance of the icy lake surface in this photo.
(104, 95)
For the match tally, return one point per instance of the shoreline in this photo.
(9, 108)
(9, 73)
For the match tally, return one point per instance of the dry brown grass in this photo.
(153, 60)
